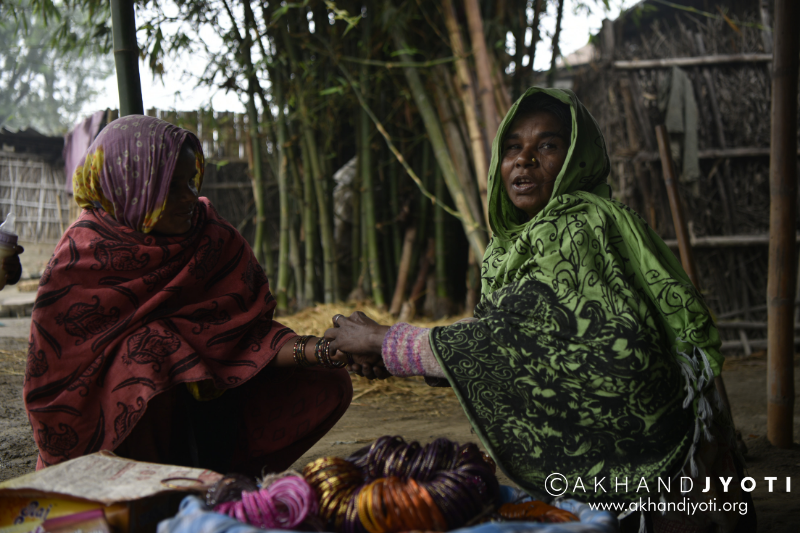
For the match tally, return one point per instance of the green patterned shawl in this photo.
(593, 350)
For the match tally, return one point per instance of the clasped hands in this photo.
(361, 338)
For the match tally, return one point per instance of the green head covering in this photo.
(585, 168)
(593, 354)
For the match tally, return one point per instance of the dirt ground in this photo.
(416, 412)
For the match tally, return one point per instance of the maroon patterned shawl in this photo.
(122, 316)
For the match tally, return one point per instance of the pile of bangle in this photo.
(322, 352)
(393, 486)
(285, 503)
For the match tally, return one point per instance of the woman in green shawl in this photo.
(588, 369)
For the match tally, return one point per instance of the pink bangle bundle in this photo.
(284, 504)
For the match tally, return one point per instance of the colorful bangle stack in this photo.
(299, 350)
(392, 486)
(335, 481)
(322, 351)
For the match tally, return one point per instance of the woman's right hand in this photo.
(362, 338)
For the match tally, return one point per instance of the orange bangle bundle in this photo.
(391, 504)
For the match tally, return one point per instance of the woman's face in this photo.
(534, 150)
(182, 200)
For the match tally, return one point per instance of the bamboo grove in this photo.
(410, 92)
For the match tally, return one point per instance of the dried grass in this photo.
(315, 320)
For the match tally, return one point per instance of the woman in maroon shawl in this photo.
(152, 333)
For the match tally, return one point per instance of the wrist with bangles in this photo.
(322, 353)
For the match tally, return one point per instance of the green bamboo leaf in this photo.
(331, 90)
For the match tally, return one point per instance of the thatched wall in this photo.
(733, 278)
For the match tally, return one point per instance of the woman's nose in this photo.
(526, 158)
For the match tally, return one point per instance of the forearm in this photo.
(285, 356)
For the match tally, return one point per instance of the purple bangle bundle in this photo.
(455, 479)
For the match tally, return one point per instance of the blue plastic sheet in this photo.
(194, 518)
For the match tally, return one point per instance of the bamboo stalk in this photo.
(712, 153)
(485, 86)
(126, 57)
(756, 344)
(551, 75)
(502, 98)
(440, 260)
(259, 241)
(468, 96)
(283, 196)
(458, 153)
(681, 230)
(355, 216)
(727, 241)
(476, 239)
(309, 228)
(299, 195)
(423, 218)
(403, 271)
(425, 262)
(366, 280)
(747, 324)
(394, 210)
(720, 59)
(782, 226)
(370, 229)
(371, 267)
(318, 178)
